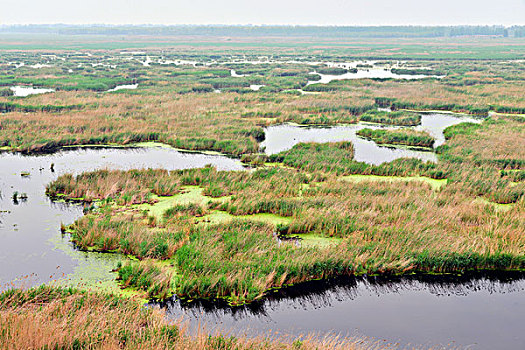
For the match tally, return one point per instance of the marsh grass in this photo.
(328, 157)
(407, 137)
(392, 118)
(175, 105)
(380, 227)
(56, 318)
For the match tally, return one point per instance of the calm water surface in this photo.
(474, 312)
(282, 137)
(23, 91)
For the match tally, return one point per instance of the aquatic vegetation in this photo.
(407, 137)
(415, 71)
(330, 157)
(338, 158)
(436, 184)
(391, 118)
(107, 184)
(240, 261)
(148, 277)
(6, 107)
(348, 227)
(332, 70)
(394, 104)
(65, 318)
(230, 122)
(377, 218)
(462, 128)
(386, 226)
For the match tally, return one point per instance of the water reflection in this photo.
(417, 310)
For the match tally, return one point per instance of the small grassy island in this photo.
(405, 137)
(392, 118)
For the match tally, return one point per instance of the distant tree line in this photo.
(264, 30)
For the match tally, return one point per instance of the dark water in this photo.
(31, 243)
(476, 312)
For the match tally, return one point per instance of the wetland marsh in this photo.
(381, 196)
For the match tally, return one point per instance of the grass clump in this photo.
(392, 118)
(415, 71)
(329, 157)
(240, 261)
(58, 318)
(461, 129)
(146, 276)
(406, 137)
(107, 232)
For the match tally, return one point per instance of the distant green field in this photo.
(371, 48)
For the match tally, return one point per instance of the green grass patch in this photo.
(391, 118)
(436, 184)
(406, 137)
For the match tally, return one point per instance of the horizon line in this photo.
(260, 25)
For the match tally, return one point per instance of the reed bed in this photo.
(392, 118)
(406, 137)
(382, 227)
(55, 318)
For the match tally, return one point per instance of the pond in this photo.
(435, 123)
(282, 137)
(23, 91)
(124, 87)
(370, 73)
(256, 87)
(233, 73)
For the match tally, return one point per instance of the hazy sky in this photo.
(324, 12)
